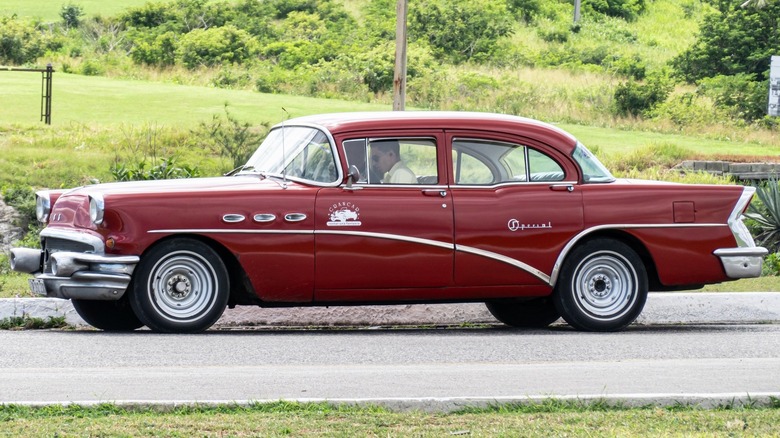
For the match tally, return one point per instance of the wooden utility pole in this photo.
(577, 4)
(399, 76)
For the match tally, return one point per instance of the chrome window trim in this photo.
(515, 183)
(368, 141)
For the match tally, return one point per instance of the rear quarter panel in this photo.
(679, 225)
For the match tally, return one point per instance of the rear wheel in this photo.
(181, 286)
(111, 316)
(602, 286)
(532, 313)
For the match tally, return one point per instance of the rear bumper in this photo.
(742, 262)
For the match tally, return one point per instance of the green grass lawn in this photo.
(49, 11)
(103, 101)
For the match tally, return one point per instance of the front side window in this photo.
(393, 160)
(297, 152)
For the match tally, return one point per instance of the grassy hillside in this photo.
(49, 11)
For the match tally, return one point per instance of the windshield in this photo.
(296, 152)
(592, 169)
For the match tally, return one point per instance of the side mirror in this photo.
(353, 176)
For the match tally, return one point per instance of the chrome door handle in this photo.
(435, 192)
(562, 188)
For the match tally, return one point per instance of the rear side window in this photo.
(484, 162)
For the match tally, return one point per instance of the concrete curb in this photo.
(661, 308)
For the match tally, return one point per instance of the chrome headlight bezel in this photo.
(97, 208)
(42, 206)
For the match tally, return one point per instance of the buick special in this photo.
(390, 208)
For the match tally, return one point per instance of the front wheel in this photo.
(181, 286)
(111, 316)
(602, 287)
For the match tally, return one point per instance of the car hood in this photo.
(179, 185)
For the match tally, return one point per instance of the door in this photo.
(390, 235)
(516, 206)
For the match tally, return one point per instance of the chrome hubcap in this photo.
(183, 286)
(605, 285)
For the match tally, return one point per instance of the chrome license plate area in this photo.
(37, 287)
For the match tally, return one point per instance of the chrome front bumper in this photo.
(76, 275)
(742, 262)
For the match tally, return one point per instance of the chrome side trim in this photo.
(551, 279)
(569, 246)
(398, 237)
(738, 229)
(227, 231)
(508, 260)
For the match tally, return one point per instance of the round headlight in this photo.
(42, 206)
(96, 209)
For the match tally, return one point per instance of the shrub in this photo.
(731, 41)
(460, 30)
(165, 168)
(634, 98)
(216, 46)
(663, 155)
(230, 138)
(766, 214)
(20, 42)
(71, 15)
(740, 94)
(627, 9)
(22, 199)
(771, 265)
(159, 50)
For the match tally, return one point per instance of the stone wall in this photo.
(9, 232)
(740, 171)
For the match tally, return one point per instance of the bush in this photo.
(664, 155)
(766, 215)
(733, 41)
(626, 9)
(230, 138)
(20, 42)
(22, 199)
(165, 168)
(458, 31)
(216, 46)
(71, 15)
(634, 98)
(741, 95)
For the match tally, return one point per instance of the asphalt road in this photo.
(408, 367)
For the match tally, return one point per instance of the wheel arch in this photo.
(616, 234)
(241, 289)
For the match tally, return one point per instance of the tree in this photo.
(460, 30)
(733, 40)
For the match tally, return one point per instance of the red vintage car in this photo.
(389, 208)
